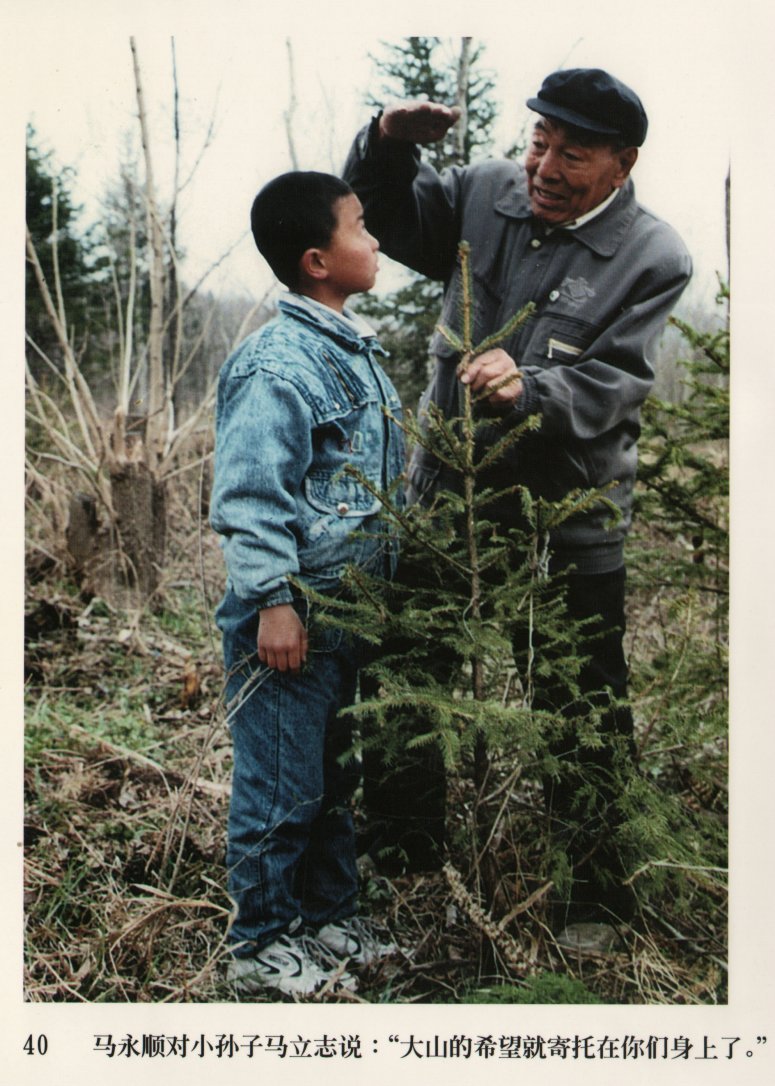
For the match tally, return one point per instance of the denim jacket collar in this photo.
(322, 319)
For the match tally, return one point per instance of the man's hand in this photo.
(282, 638)
(497, 371)
(417, 122)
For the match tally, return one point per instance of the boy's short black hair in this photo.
(293, 213)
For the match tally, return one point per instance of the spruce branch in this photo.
(497, 451)
(451, 337)
(403, 519)
(508, 329)
(432, 438)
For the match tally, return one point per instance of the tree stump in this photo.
(139, 503)
(121, 562)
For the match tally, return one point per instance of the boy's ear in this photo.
(313, 265)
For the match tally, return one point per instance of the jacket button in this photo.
(535, 243)
(342, 508)
(554, 296)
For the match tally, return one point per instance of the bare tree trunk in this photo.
(81, 532)
(728, 221)
(117, 538)
(139, 499)
(175, 326)
(461, 129)
(157, 426)
(129, 559)
(290, 111)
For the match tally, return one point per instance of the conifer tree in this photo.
(680, 579)
(685, 471)
(483, 589)
(478, 586)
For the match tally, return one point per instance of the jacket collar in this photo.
(326, 321)
(603, 235)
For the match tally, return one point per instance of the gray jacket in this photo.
(602, 293)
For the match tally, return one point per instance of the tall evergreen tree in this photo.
(427, 68)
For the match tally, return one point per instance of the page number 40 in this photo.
(36, 1045)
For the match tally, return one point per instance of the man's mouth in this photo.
(546, 197)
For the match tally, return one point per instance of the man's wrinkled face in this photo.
(567, 178)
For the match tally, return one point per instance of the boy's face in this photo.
(351, 255)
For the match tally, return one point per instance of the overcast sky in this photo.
(234, 70)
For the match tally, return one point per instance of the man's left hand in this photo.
(496, 371)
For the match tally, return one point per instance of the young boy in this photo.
(298, 401)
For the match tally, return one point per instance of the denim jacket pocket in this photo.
(332, 511)
(342, 495)
(356, 394)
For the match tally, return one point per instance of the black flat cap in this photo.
(591, 99)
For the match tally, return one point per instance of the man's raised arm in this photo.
(408, 207)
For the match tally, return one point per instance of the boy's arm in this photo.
(282, 638)
(263, 450)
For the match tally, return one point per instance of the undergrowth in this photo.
(126, 783)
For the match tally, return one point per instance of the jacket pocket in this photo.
(341, 495)
(557, 349)
(334, 517)
(559, 339)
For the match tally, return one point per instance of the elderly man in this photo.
(565, 232)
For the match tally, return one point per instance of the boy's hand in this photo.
(417, 122)
(282, 638)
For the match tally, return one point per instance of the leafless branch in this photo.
(292, 103)
(79, 392)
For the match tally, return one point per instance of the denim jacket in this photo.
(298, 401)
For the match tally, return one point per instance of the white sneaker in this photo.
(356, 940)
(289, 965)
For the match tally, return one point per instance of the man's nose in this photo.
(549, 166)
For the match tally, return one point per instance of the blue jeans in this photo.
(291, 841)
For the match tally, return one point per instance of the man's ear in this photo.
(627, 159)
(313, 264)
